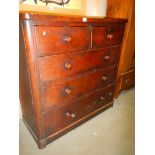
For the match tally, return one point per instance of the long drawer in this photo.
(55, 40)
(61, 92)
(61, 116)
(107, 36)
(65, 65)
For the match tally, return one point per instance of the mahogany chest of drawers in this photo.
(68, 68)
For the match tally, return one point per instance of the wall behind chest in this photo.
(74, 7)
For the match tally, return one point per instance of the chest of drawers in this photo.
(68, 68)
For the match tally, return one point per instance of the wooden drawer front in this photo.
(71, 89)
(65, 65)
(128, 80)
(107, 36)
(56, 40)
(62, 116)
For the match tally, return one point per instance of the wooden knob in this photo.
(73, 115)
(104, 78)
(110, 36)
(68, 39)
(127, 81)
(107, 57)
(68, 65)
(67, 91)
(44, 33)
(68, 114)
(110, 94)
(101, 98)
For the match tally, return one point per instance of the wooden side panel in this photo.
(124, 9)
(118, 9)
(24, 85)
(130, 46)
(30, 46)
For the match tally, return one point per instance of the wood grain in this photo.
(53, 68)
(53, 40)
(55, 94)
(100, 36)
(124, 9)
(67, 71)
(79, 108)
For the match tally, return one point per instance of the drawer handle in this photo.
(68, 65)
(101, 98)
(127, 81)
(68, 114)
(107, 57)
(67, 91)
(44, 33)
(110, 36)
(68, 39)
(104, 78)
(110, 94)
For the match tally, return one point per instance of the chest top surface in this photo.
(69, 18)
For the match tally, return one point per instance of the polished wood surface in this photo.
(124, 9)
(32, 67)
(69, 113)
(77, 86)
(107, 36)
(56, 40)
(41, 17)
(67, 75)
(55, 67)
(128, 80)
(24, 84)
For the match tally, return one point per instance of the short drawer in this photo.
(128, 80)
(55, 40)
(61, 92)
(61, 116)
(65, 65)
(107, 36)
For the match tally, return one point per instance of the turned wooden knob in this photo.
(68, 39)
(110, 36)
(107, 57)
(68, 114)
(110, 94)
(68, 65)
(68, 91)
(44, 33)
(101, 98)
(104, 78)
(127, 81)
(73, 115)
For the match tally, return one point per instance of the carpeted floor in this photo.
(109, 133)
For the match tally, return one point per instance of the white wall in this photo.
(20, 112)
